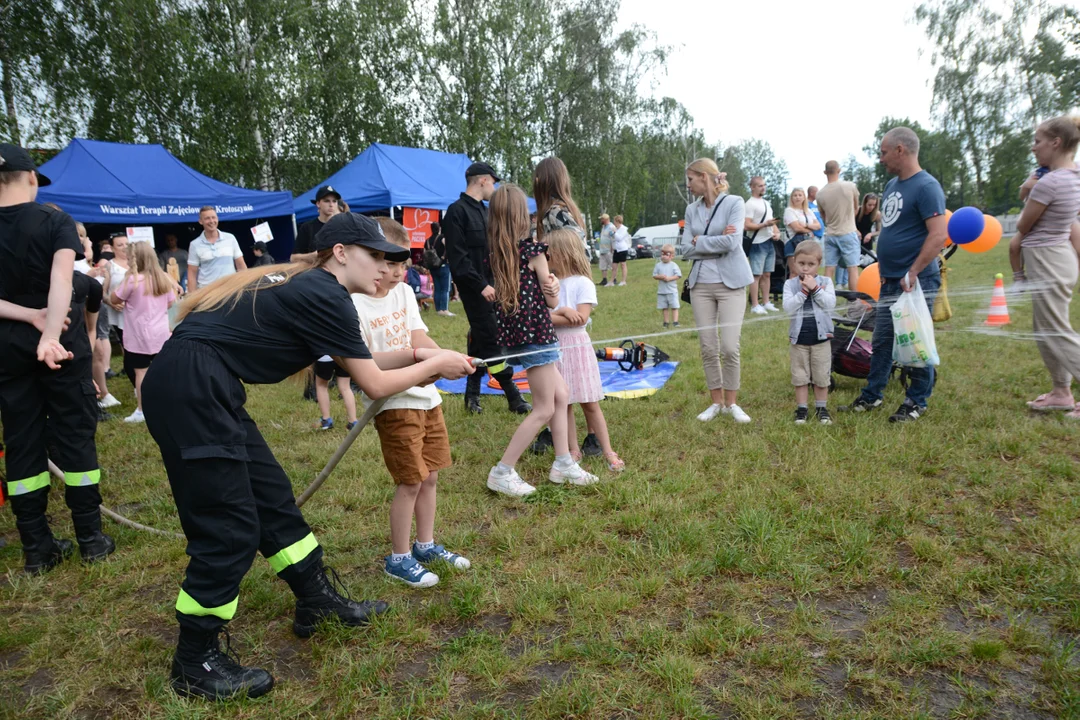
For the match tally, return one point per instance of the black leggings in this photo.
(127, 369)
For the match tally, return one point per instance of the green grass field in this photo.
(863, 570)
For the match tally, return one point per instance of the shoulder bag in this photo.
(685, 295)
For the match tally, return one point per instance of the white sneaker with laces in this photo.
(737, 414)
(771, 308)
(757, 310)
(445, 313)
(710, 412)
(509, 484)
(108, 401)
(574, 475)
(135, 417)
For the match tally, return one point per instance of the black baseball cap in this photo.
(14, 159)
(324, 191)
(355, 229)
(479, 168)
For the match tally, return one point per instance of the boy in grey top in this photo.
(667, 274)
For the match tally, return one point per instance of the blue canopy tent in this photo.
(388, 176)
(122, 184)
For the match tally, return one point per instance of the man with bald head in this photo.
(912, 236)
(838, 202)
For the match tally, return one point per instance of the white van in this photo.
(647, 241)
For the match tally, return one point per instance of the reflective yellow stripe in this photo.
(28, 485)
(189, 606)
(82, 479)
(294, 553)
(496, 369)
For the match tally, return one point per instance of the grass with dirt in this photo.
(862, 570)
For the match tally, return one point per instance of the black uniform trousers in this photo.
(47, 413)
(483, 332)
(232, 496)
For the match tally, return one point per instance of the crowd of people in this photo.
(346, 305)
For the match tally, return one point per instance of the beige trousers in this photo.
(1054, 272)
(715, 304)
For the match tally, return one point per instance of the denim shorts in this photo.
(762, 257)
(843, 250)
(540, 355)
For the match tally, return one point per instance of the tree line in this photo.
(279, 94)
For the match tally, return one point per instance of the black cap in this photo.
(324, 191)
(481, 169)
(356, 229)
(13, 159)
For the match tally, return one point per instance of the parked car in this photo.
(647, 241)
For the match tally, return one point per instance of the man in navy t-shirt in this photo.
(912, 236)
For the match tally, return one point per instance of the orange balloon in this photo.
(991, 234)
(870, 281)
(948, 240)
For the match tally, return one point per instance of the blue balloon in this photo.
(966, 225)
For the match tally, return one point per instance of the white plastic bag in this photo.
(913, 330)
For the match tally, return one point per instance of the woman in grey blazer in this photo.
(718, 279)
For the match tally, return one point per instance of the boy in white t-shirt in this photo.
(412, 432)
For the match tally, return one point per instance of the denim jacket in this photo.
(824, 302)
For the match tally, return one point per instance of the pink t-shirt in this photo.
(146, 318)
(1059, 191)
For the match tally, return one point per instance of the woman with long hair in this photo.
(260, 326)
(1050, 259)
(147, 293)
(718, 278)
(800, 223)
(118, 270)
(868, 221)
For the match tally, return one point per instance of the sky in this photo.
(811, 79)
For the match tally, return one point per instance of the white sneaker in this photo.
(108, 401)
(1019, 287)
(510, 484)
(771, 308)
(622, 284)
(758, 310)
(710, 412)
(737, 414)
(135, 417)
(445, 313)
(575, 475)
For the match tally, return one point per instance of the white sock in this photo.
(396, 558)
(502, 469)
(564, 462)
(425, 545)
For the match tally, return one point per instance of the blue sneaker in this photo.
(440, 553)
(411, 572)
(326, 423)
(351, 425)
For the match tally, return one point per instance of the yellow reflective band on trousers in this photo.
(28, 485)
(294, 553)
(82, 479)
(189, 606)
(496, 369)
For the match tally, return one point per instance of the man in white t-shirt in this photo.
(761, 228)
(214, 254)
(620, 244)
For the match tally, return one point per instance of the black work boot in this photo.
(514, 400)
(472, 393)
(93, 544)
(41, 551)
(542, 443)
(318, 599)
(201, 669)
(591, 446)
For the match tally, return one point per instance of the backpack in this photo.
(431, 259)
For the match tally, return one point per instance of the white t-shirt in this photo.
(215, 260)
(622, 239)
(803, 217)
(116, 277)
(576, 290)
(387, 324)
(754, 208)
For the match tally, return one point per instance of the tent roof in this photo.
(104, 182)
(385, 176)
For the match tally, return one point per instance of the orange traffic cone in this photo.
(999, 311)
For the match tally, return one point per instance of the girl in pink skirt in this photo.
(578, 366)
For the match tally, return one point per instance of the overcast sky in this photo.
(853, 61)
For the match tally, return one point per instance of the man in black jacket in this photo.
(465, 230)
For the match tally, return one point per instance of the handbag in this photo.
(747, 238)
(685, 294)
(431, 259)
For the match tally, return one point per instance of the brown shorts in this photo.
(811, 363)
(414, 443)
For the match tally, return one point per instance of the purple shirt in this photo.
(146, 317)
